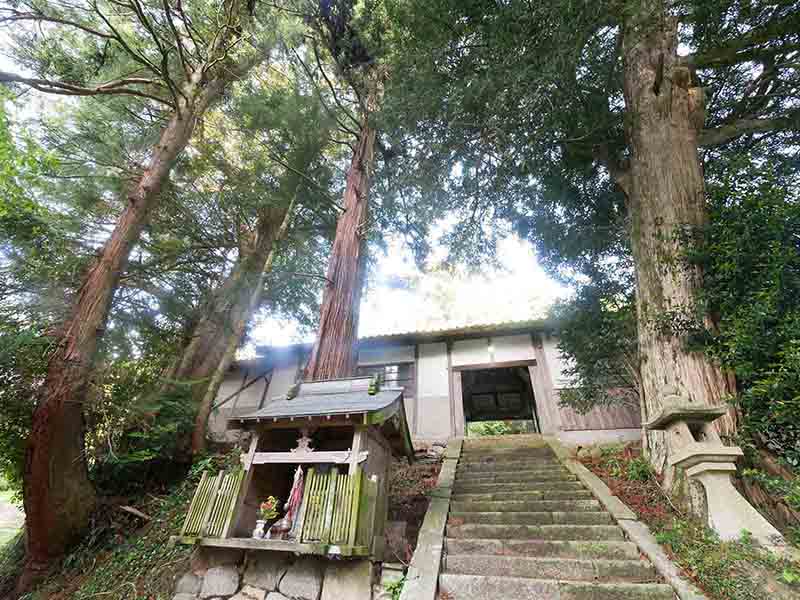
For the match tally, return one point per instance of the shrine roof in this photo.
(324, 404)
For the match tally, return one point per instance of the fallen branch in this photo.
(136, 512)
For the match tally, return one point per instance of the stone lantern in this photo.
(695, 449)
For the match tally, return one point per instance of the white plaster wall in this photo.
(470, 352)
(249, 399)
(555, 362)
(434, 419)
(513, 347)
(217, 421)
(284, 375)
(384, 355)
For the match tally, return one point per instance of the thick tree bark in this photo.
(58, 495)
(666, 195)
(334, 354)
(221, 329)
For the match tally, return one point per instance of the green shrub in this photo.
(395, 588)
(484, 428)
(789, 491)
(638, 469)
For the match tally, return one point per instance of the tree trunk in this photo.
(222, 328)
(666, 196)
(335, 354)
(58, 495)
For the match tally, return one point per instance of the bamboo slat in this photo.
(196, 507)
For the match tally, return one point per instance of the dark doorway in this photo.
(499, 394)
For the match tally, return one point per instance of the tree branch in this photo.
(710, 138)
(19, 16)
(178, 40)
(67, 89)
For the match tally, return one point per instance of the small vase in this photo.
(258, 532)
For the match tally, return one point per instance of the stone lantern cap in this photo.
(684, 412)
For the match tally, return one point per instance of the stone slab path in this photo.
(522, 526)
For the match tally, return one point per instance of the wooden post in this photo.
(243, 489)
(359, 442)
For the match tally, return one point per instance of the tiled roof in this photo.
(477, 328)
(327, 404)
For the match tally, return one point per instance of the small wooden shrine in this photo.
(324, 452)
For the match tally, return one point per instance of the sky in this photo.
(519, 290)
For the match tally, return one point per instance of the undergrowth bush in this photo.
(751, 260)
(123, 557)
(733, 570)
(486, 428)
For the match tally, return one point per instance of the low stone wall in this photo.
(225, 574)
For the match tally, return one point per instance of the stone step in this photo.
(524, 506)
(517, 441)
(509, 467)
(482, 587)
(531, 486)
(601, 533)
(563, 569)
(530, 518)
(547, 548)
(509, 454)
(489, 477)
(525, 495)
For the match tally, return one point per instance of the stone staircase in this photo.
(521, 526)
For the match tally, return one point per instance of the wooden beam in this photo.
(495, 365)
(247, 463)
(359, 442)
(295, 458)
(278, 545)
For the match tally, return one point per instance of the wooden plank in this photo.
(359, 444)
(311, 526)
(197, 518)
(233, 503)
(330, 502)
(194, 504)
(336, 518)
(224, 503)
(355, 486)
(275, 545)
(601, 418)
(338, 457)
(244, 487)
(212, 496)
(309, 480)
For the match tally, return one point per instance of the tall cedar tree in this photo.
(334, 353)
(299, 130)
(181, 59)
(568, 119)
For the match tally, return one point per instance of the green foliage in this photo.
(788, 491)
(726, 570)
(395, 588)
(484, 428)
(751, 258)
(597, 335)
(122, 557)
(639, 469)
(620, 464)
(23, 353)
